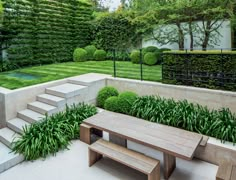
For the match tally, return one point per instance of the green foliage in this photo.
(164, 49)
(152, 49)
(125, 101)
(114, 31)
(45, 32)
(104, 94)
(111, 104)
(150, 58)
(100, 55)
(52, 133)
(135, 57)
(80, 55)
(90, 51)
(220, 124)
(119, 55)
(208, 69)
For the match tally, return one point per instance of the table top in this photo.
(170, 140)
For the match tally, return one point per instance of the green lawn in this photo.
(63, 70)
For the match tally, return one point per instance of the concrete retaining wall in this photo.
(214, 99)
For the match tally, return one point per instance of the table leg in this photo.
(169, 164)
(117, 140)
(85, 132)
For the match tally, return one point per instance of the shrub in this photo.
(152, 49)
(111, 104)
(90, 51)
(104, 94)
(220, 124)
(80, 54)
(150, 58)
(135, 57)
(164, 49)
(125, 101)
(52, 133)
(100, 55)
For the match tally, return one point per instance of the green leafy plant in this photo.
(80, 55)
(111, 104)
(100, 55)
(90, 51)
(150, 58)
(220, 124)
(52, 133)
(125, 101)
(148, 49)
(135, 57)
(104, 94)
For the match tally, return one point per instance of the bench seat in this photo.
(226, 171)
(135, 160)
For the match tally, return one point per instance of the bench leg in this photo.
(169, 165)
(155, 174)
(117, 140)
(85, 133)
(93, 157)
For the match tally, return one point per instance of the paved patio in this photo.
(73, 165)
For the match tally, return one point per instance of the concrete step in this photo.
(30, 116)
(66, 90)
(17, 125)
(42, 108)
(7, 136)
(88, 79)
(7, 158)
(51, 100)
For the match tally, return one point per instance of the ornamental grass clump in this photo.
(220, 124)
(52, 133)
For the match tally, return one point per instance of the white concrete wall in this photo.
(214, 99)
(225, 40)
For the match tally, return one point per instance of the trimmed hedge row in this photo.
(201, 69)
(46, 31)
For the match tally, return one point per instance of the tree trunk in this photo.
(191, 35)
(206, 36)
(181, 37)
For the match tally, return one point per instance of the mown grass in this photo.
(63, 70)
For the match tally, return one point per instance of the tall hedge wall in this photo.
(202, 69)
(46, 31)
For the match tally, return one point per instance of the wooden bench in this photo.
(226, 171)
(130, 158)
(89, 134)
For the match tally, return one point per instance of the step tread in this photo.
(17, 123)
(8, 135)
(8, 159)
(42, 106)
(51, 97)
(32, 114)
(66, 90)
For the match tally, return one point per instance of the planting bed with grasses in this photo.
(52, 133)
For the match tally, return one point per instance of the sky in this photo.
(113, 4)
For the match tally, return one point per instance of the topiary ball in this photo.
(135, 57)
(100, 55)
(150, 49)
(104, 94)
(150, 59)
(79, 55)
(125, 101)
(90, 51)
(111, 104)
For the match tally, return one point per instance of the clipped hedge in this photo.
(111, 104)
(150, 58)
(135, 57)
(44, 32)
(104, 94)
(220, 124)
(53, 133)
(90, 51)
(125, 101)
(80, 55)
(201, 69)
(100, 55)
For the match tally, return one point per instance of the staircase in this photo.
(54, 100)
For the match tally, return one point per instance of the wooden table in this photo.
(173, 142)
